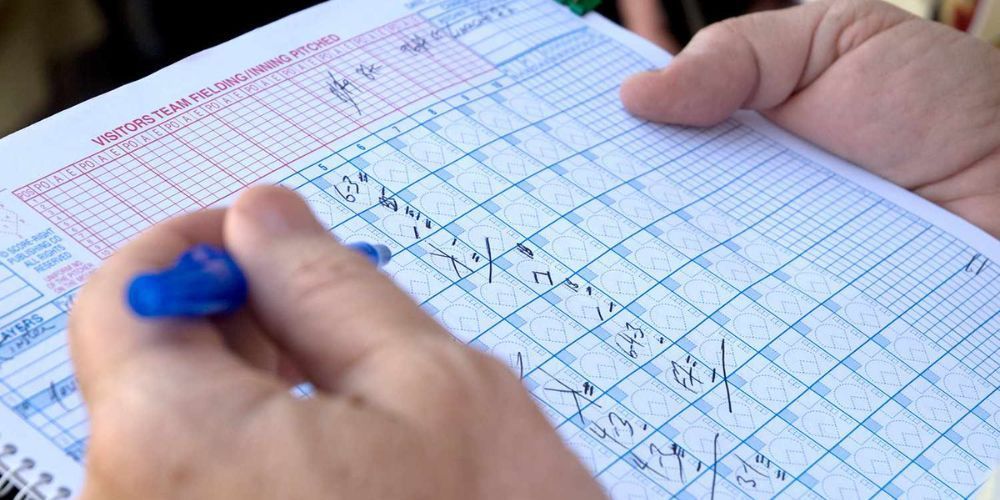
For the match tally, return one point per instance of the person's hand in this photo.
(202, 409)
(913, 101)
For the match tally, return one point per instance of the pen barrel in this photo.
(204, 282)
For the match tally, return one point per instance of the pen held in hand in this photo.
(206, 280)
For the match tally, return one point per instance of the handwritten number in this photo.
(976, 264)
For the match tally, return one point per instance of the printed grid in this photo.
(229, 148)
(704, 235)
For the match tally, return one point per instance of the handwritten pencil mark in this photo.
(489, 256)
(715, 462)
(343, 89)
(976, 264)
(725, 377)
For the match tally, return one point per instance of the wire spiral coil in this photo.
(20, 481)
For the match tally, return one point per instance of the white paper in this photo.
(700, 312)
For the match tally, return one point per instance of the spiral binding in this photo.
(20, 481)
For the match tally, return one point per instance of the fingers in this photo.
(324, 305)
(111, 346)
(755, 61)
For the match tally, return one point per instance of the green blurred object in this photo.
(580, 7)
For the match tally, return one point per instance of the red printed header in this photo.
(157, 115)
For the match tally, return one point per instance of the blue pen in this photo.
(205, 280)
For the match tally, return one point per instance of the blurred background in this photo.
(56, 53)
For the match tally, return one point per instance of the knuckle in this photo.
(721, 30)
(453, 371)
(855, 21)
(317, 279)
(470, 375)
(86, 303)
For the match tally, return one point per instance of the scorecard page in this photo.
(716, 312)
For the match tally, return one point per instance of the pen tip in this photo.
(384, 254)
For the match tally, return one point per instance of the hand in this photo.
(913, 101)
(197, 409)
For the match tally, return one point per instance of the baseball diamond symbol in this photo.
(763, 253)
(599, 365)
(784, 303)
(509, 165)
(462, 318)
(820, 423)
(528, 107)
(558, 195)
(752, 326)
(468, 135)
(740, 418)
(734, 271)
(496, 120)
(910, 349)
(667, 318)
(571, 248)
(605, 226)
(904, 434)
(960, 386)
(853, 396)
(620, 282)
(549, 328)
(414, 281)
(790, 449)
(472, 182)
(714, 225)
(873, 461)
(590, 179)
(667, 193)
(624, 166)
(984, 446)
(651, 402)
(932, 408)
(802, 361)
(862, 314)
(522, 214)
(832, 336)
(498, 294)
(512, 351)
(392, 171)
(653, 258)
(639, 210)
(442, 203)
(684, 239)
(883, 372)
(812, 282)
(542, 149)
(428, 152)
(702, 292)
(956, 470)
(841, 485)
(769, 388)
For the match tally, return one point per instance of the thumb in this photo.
(755, 61)
(324, 305)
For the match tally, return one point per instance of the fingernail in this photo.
(277, 211)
